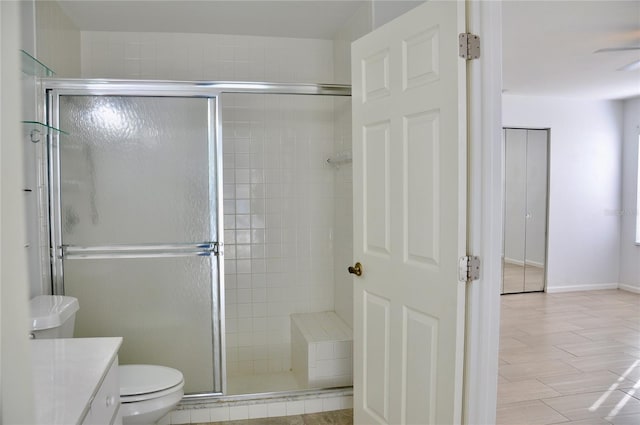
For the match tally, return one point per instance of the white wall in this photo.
(15, 360)
(585, 186)
(49, 35)
(57, 39)
(629, 251)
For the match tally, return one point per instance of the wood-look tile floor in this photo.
(569, 358)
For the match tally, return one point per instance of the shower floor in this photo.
(262, 383)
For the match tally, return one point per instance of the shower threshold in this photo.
(262, 405)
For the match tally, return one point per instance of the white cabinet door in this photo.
(105, 405)
(410, 165)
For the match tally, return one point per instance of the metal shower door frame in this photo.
(212, 247)
(213, 90)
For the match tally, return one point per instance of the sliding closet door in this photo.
(525, 210)
(136, 228)
(536, 212)
(515, 211)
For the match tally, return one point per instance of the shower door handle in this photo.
(356, 269)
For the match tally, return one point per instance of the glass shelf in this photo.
(36, 125)
(32, 66)
(35, 128)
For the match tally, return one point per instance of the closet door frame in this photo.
(547, 199)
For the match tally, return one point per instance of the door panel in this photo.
(515, 199)
(134, 202)
(375, 147)
(409, 146)
(376, 357)
(419, 374)
(160, 306)
(421, 180)
(536, 240)
(125, 160)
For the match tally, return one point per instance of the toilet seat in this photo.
(144, 382)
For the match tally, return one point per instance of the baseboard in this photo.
(574, 288)
(630, 288)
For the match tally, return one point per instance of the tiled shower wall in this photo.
(278, 223)
(178, 56)
(279, 190)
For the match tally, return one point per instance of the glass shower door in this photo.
(134, 227)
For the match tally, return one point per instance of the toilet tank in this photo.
(53, 316)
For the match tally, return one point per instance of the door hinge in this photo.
(469, 46)
(469, 268)
(217, 249)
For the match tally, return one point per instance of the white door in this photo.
(409, 150)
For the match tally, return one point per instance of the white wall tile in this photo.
(295, 407)
(238, 413)
(332, 403)
(313, 406)
(218, 414)
(277, 409)
(180, 417)
(200, 415)
(258, 411)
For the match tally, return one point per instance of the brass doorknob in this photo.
(356, 269)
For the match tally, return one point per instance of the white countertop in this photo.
(67, 374)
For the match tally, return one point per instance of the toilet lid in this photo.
(143, 379)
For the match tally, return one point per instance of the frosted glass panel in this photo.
(134, 170)
(161, 306)
(141, 171)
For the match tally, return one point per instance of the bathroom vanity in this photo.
(75, 381)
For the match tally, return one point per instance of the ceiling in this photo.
(548, 46)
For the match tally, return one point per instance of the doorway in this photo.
(526, 195)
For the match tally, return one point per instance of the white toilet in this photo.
(147, 392)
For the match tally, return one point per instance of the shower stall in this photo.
(198, 221)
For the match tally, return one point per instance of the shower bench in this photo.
(321, 350)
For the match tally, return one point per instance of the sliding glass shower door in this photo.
(134, 200)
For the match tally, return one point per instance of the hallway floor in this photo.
(570, 358)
